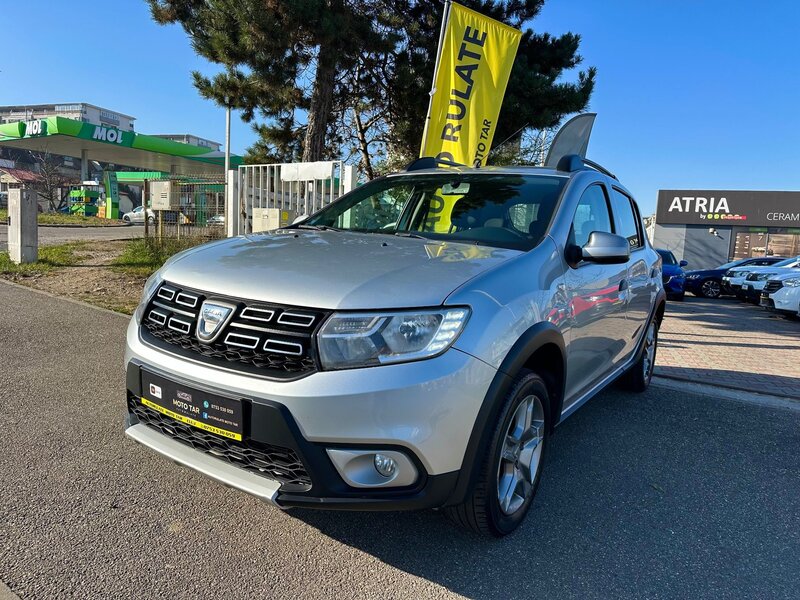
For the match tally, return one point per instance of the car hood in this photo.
(706, 272)
(333, 270)
(782, 273)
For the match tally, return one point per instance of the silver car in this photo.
(412, 345)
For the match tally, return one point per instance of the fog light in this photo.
(384, 465)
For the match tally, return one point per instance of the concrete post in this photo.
(23, 232)
(84, 165)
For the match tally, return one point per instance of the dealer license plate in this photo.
(210, 412)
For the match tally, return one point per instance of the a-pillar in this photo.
(23, 232)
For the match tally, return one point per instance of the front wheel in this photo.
(512, 465)
(637, 379)
(711, 288)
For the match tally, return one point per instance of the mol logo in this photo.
(107, 134)
(35, 128)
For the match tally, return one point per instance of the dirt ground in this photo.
(91, 280)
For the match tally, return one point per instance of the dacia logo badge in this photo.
(213, 318)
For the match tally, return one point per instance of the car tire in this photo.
(127, 219)
(512, 464)
(151, 220)
(710, 288)
(638, 377)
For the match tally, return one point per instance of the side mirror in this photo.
(607, 248)
(683, 263)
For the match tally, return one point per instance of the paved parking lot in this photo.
(729, 343)
(659, 495)
(49, 236)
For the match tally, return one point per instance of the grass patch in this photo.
(141, 258)
(63, 219)
(50, 257)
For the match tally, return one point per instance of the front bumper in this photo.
(674, 286)
(425, 409)
(786, 300)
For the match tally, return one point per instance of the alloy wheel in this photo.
(711, 289)
(520, 455)
(650, 345)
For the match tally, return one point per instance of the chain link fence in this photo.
(182, 206)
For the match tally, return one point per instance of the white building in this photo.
(78, 111)
(187, 138)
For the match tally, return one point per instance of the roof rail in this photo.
(430, 162)
(570, 163)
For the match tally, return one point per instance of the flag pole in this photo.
(445, 19)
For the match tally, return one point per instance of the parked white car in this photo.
(782, 294)
(755, 277)
(136, 216)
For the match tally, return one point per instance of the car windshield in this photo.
(734, 263)
(667, 257)
(787, 263)
(507, 211)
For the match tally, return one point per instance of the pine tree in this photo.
(317, 75)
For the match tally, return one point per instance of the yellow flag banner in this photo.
(476, 60)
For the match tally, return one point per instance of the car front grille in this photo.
(772, 286)
(272, 462)
(262, 339)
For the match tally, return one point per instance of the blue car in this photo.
(673, 275)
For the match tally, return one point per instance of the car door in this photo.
(595, 299)
(640, 286)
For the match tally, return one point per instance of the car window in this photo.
(625, 218)
(592, 214)
(667, 257)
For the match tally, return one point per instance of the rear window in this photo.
(625, 218)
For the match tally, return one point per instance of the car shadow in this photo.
(626, 508)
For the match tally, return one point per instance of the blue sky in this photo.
(690, 93)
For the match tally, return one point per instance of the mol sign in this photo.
(107, 134)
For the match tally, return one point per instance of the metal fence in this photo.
(185, 206)
(302, 188)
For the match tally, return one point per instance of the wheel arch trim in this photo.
(537, 337)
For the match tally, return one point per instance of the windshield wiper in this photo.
(315, 227)
(408, 234)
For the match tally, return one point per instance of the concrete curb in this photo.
(727, 393)
(723, 385)
(6, 593)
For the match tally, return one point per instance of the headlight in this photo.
(354, 340)
(793, 282)
(150, 287)
(764, 276)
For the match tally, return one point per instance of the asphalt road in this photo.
(661, 495)
(49, 236)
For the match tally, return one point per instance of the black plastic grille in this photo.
(772, 286)
(273, 462)
(264, 339)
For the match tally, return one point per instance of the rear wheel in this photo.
(711, 288)
(638, 378)
(126, 218)
(512, 465)
(151, 220)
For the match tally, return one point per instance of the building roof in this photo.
(49, 104)
(22, 175)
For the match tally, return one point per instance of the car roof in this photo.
(492, 169)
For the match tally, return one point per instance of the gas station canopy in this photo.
(67, 137)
